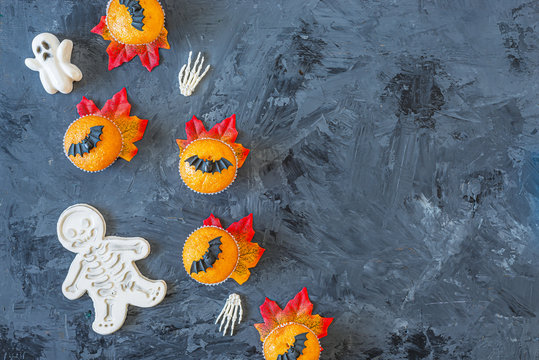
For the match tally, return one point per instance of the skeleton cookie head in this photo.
(104, 267)
(80, 227)
(53, 61)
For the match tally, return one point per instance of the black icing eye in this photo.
(45, 45)
(46, 56)
(38, 49)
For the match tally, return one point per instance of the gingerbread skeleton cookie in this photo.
(105, 268)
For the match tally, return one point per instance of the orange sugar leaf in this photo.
(118, 106)
(241, 153)
(182, 144)
(212, 221)
(132, 129)
(120, 53)
(101, 28)
(117, 110)
(87, 107)
(298, 310)
(225, 131)
(150, 56)
(272, 315)
(162, 41)
(243, 229)
(250, 253)
(194, 129)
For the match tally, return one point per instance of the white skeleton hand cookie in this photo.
(189, 77)
(105, 268)
(230, 313)
(53, 61)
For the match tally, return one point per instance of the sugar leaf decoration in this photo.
(250, 253)
(117, 110)
(298, 310)
(120, 53)
(224, 131)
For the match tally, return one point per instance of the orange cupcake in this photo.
(134, 27)
(94, 141)
(209, 160)
(212, 254)
(292, 333)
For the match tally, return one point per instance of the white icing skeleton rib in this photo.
(104, 267)
(53, 61)
(190, 77)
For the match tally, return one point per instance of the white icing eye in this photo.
(71, 233)
(86, 223)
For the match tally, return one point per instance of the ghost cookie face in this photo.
(53, 61)
(104, 267)
(209, 160)
(94, 141)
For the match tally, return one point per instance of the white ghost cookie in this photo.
(105, 268)
(53, 61)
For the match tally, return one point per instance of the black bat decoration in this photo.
(135, 10)
(209, 258)
(88, 143)
(296, 350)
(209, 166)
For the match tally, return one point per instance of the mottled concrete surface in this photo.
(393, 172)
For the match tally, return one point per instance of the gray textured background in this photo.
(393, 172)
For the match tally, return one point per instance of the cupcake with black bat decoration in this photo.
(212, 254)
(134, 27)
(94, 141)
(209, 160)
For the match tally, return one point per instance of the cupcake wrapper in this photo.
(235, 242)
(220, 191)
(64, 143)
